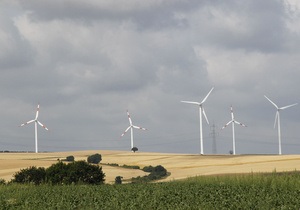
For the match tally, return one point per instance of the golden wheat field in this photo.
(180, 165)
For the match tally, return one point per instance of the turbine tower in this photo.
(277, 119)
(233, 121)
(201, 110)
(131, 126)
(35, 120)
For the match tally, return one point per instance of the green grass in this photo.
(253, 191)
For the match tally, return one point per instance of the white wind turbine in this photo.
(131, 126)
(201, 110)
(35, 120)
(233, 121)
(277, 119)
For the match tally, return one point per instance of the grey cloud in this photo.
(90, 61)
(16, 52)
(252, 26)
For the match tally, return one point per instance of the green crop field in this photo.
(252, 191)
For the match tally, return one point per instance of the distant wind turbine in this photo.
(233, 121)
(277, 119)
(201, 110)
(35, 127)
(131, 126)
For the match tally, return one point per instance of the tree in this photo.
(160, 170)
(82, 172)
(30, 175)
(70, 158)
(75, 172)
(62, 173)
(96, 158)
(57, 172)
(155, 173)
(148, 169)
(118, 180)
(134, 149)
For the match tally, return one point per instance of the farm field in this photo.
(251, 191)
(180, 165)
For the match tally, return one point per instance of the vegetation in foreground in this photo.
(253, 191)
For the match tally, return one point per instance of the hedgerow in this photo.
(61, 173)
(155, 173)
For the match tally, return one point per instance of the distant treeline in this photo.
(7, 151)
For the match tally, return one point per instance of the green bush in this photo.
(2, 182)
(82, 172)
(157, 170)
(134, 149)
(96, 158)
(62, 173)
(30, 175)
(156, 173)
(160, 170)
(76, 172)
(131, 167)
(112, 164)
(118, 180)
(148, 169)
(57, 173)
(70, 158)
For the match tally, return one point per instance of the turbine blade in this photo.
(226, 124)
(191, 102)
(271, 102)
(240, 123)
(276, 118)
(285, 107)
(42, 125)
(232, 116)
(26, 123)
(130, 122)
(137, 127)
(125, 131)
(37, 111)
(207, 96)
(205, 115)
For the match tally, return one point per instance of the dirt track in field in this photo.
(180, 165)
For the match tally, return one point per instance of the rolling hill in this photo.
(180, 165)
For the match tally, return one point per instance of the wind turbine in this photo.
(35, 120)
(201, 110)
(131, 126)
(233, 121)
(277, 119)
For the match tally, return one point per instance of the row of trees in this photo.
(95, 158)
(155, 173)
(64, 173)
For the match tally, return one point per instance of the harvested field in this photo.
(180, 165)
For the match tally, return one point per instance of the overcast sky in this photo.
(87, 62)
